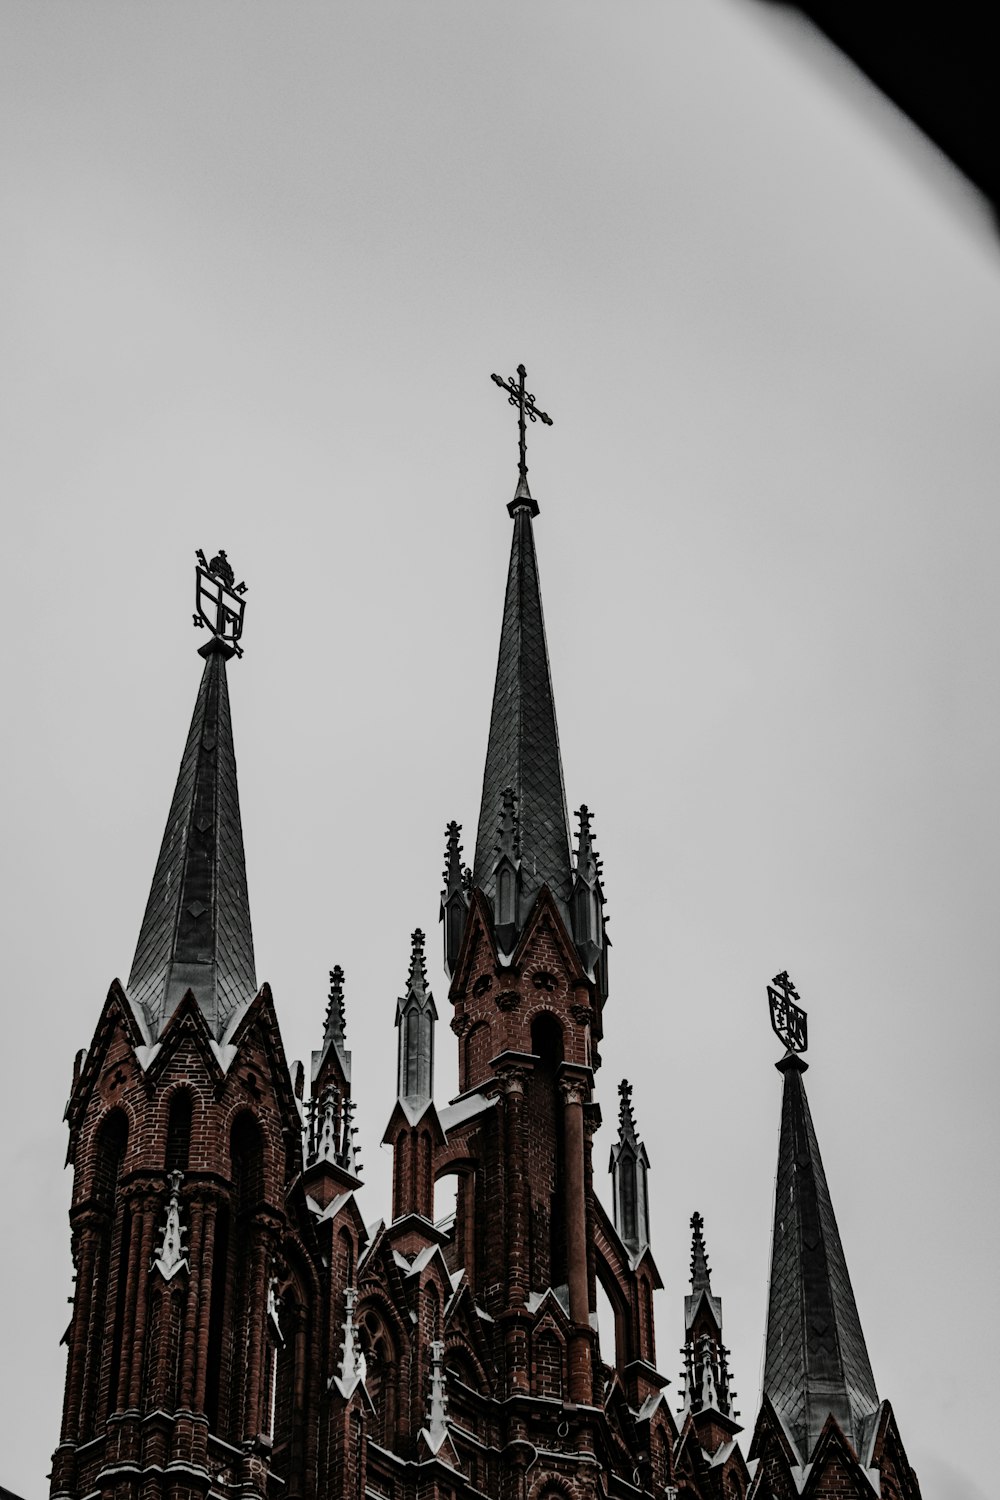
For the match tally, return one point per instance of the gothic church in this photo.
(241, 1327)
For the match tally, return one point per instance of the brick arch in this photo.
(551, 1487)
(382, 1348)
(543, 1009)
(458, 1350)
(104, 1146)
(609, 1275)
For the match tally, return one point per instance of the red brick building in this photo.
(238, 1330)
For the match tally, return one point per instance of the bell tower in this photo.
(180, 1118)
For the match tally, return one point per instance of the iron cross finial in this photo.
(526, 408)
(787, 1019)
(219, 601)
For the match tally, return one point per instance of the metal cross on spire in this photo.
(788, 1020)
(526, 408)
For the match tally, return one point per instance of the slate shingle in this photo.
(196, 930)
(523, 750)
(815, 1361)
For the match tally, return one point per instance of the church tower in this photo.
(239, 1332)
(185, 1367)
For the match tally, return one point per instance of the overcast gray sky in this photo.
(259, 263)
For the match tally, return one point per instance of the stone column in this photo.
(152, 1209)
(517, 1227)
(86, 1247)
(580, 1380)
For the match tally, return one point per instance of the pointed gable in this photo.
(816, 1363)
(523, 749)
(196, 932)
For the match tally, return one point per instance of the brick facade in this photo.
(237, 1331)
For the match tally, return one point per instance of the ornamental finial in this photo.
(788, 1020)
(219, 601)
(525, 403)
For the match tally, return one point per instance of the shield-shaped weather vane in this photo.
(219, 601)
(787, 1019)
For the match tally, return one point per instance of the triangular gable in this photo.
(260, 1015)
(835, 1466)
(404, 1118)
(187, 1024)
(545, 917)
(478, 930)
(769, 1430)
(117, 1015)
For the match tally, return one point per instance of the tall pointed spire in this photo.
(523, 749)
(415, 1017)
(454, 897)
(816, 1363)
(196, 931)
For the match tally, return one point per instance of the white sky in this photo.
(260, 261)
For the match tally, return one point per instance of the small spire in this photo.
(507, 826)
(453, 860)
(588, 905)
(701, 1278)
(629, 1168)
(706, 1358)
(626, 1118)
(418, 965)
(172, 1254)
(415, 1017)
(588, 866)
(352, 1361)
(437, 1409)
(436, 1433)
(335, 1027)
(454, 897)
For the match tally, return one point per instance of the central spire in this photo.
(522, 758)
(523, 750)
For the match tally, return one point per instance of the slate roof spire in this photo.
(523, 749)
(815, 1363)
(196, 930)
(415, 1017)
(629, 1168)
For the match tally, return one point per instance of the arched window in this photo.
(179, 1132)
(543, 1106)
(230, 1311)
(112, 1142)
(382, 1374)
(109, 1156)
(247, 1151)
